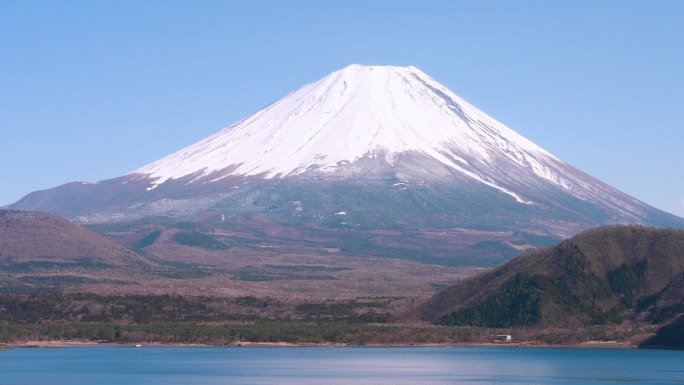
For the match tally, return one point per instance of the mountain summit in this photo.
(357, 112)
(366, 149)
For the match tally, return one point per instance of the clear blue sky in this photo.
(91, 90)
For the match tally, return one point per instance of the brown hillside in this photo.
(42, 238)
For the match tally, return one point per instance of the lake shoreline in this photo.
(67, 343)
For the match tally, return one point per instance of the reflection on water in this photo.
(261, 365)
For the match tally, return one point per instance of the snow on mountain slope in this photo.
(365, 149)
(362, 111)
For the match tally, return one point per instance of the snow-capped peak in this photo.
(349, 114)
(374, 141)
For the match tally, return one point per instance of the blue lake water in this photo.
(332, 365)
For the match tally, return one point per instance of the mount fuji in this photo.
(374, 160)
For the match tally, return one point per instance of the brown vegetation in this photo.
(33, 237)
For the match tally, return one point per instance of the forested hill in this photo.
(607, 275)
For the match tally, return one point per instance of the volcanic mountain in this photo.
(369, 160)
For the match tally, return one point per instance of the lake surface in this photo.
(332, 365)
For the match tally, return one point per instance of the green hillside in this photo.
(608, 275)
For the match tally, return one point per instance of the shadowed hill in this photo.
(669, 336)
(601, 276)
